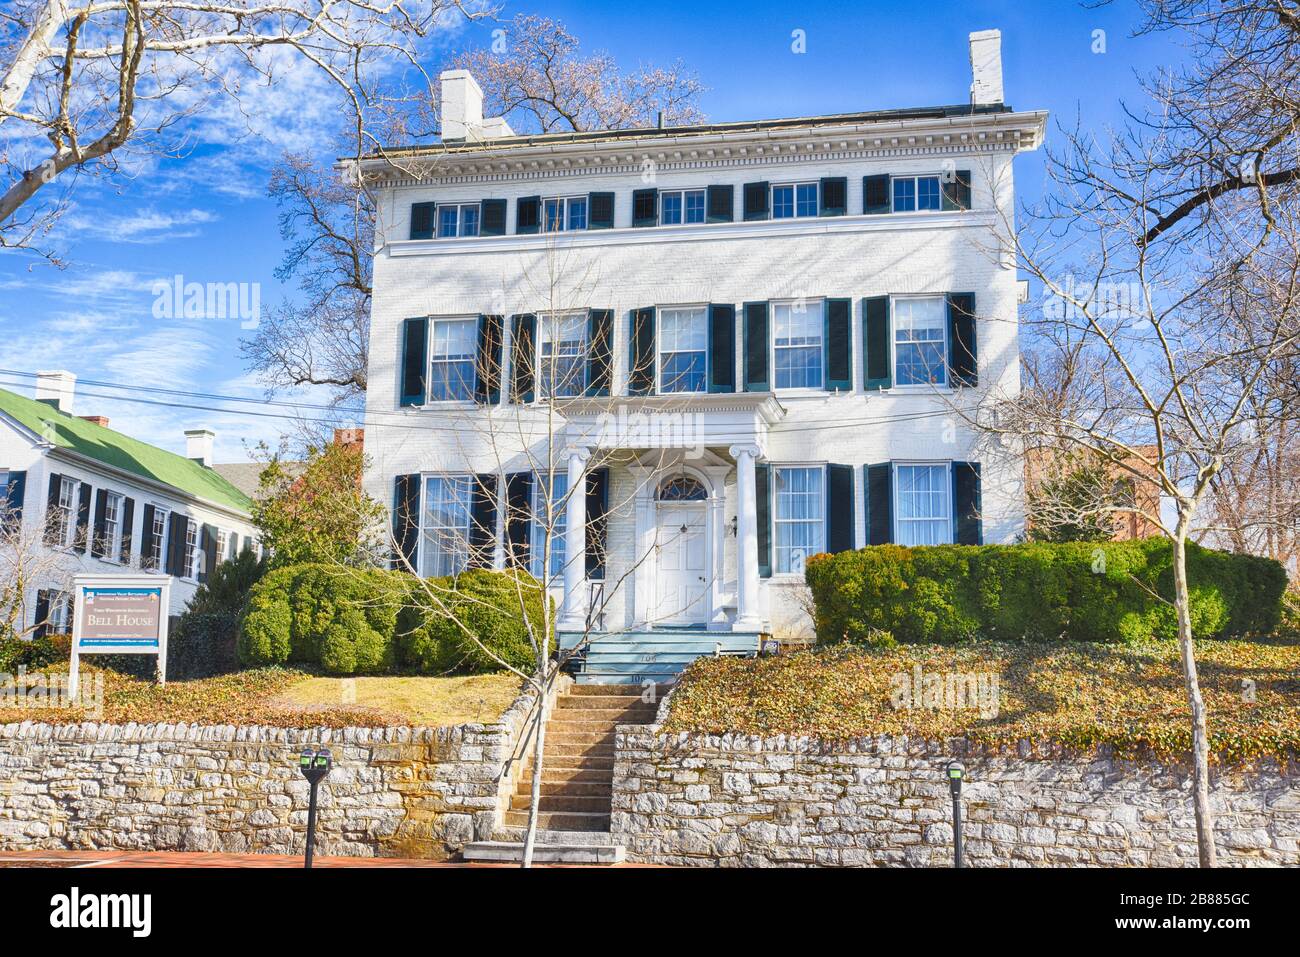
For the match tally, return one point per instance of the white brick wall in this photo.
(852, 256)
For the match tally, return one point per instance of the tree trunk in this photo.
(32, 52)
(535, 798)
(1200, 739)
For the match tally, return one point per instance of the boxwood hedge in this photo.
(1110, 592)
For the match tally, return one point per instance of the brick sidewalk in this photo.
(77, 859)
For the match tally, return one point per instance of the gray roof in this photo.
(246, 476)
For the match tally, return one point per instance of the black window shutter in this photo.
(148, 540)
(208, 543)
(835, 196)
(875, 194)
(82, 538)
(722, 347)
(645, 207)
(406, 520)
(11, 501)
(487, 379)
(492, 219)
(875, 342)
(42, 619)
(956, 192)
(523, 356)
(597, 520)
(528, 214)
(51, 505)
(600, 360)
(961, 339)
(415, 343)
(756, 201)
(128, 529)
(600, 211)
(422, 220)
(176, 532)
(763, 509)
(519, 517)
(839, 345)
(968, 528)
(880, 496)
(98, 547)
(641, 361)
(841, 524)
(721, 204)
(756, 347)
(483, 521)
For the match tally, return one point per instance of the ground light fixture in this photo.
(314, 765)
(956, 773)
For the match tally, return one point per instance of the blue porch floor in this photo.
(657, 654)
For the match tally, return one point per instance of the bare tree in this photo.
(28, 565)
(1168, 258)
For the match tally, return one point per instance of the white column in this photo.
(573, 612)
(747, 537)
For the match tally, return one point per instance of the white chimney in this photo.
(462, 106)
(57, 388)
(198, 445)
(986, 67)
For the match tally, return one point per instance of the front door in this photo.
(680, 572)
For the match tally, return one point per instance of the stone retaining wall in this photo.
(746, 801)
(409, 792)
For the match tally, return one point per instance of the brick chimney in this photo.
(100, 420)
(986, 67)
(349, 437)
(198, 445)
(56, 389)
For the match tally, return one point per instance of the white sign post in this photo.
(119, 615)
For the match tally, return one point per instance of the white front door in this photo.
(681, 573)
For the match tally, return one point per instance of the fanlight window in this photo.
(682, 488)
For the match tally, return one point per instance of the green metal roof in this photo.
(121, 451)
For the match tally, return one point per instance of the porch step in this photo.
(506, 852)
(561, 820)
(593, 804)
(583, 691)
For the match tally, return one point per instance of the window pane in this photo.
(549, 515)
(904, 195)
(554, 215)
(807, 199)
(469, 220)
(451, 370)
(672, 208)
(919, 337)
(445, 525)
(927, 192)
(563, 356)
(695, 206)
(683, 345)
(923, 514)
(798, 345)
(799, 518)
(782, 202)
(446, 221)
(577, 214)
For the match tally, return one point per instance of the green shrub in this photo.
(202, 645)
(32, 653)
(1039, 592)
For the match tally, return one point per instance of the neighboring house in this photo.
(247, 476)
(808, 299)
(100, 502)
(1048, 465)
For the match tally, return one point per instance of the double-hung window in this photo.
(62, 518)
(799, 516)
(916, 193)
(458, 221)
(451, 368)
(565, 213)
(112, 543)
(797, 344)
(790, 200)
(59, 620)
(223, 544)
(157, 539)
(681, 206)
(683, 349)
(192, 554)
(549, 519)
(920, 341)
(562, 356)
(924, 507)
(444, 525)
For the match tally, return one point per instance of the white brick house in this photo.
(77, 497)
(796, 307)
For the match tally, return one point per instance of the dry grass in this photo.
(285, 697)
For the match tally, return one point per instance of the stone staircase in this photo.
(573, 815)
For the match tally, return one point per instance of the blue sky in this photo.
(206, 217)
